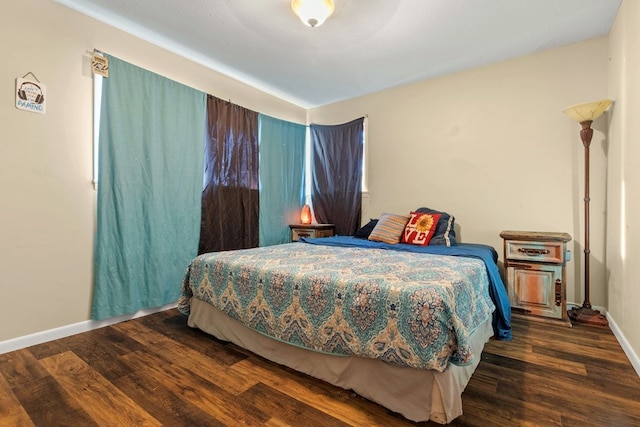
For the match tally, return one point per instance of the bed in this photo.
(341, 309)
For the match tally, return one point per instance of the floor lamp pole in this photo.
(586, 314)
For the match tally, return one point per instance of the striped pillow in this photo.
(389, 228)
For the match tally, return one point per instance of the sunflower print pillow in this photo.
(420, 228)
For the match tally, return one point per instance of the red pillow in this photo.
(420, 228)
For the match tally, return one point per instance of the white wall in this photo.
(623, 207)
(492, 147)
(47, 219)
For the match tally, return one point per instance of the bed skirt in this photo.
(418, 395)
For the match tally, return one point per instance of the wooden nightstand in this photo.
(310, 230)
(536, 278)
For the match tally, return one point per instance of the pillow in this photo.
(420, 228)
(364, 231)
(389, 228)
(445, 234)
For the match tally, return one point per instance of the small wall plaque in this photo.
(31, 95)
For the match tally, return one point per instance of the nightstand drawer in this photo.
(312, 231)
(297, 233)
(535, 251)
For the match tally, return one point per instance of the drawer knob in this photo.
(533, 252)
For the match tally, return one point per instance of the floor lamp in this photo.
(585, 114)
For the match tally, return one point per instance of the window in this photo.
(97, 102)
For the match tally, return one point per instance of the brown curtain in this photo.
(230, 199)
(336, 175)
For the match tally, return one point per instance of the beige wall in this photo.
(48, 215)
(623, 207)
(492, 147)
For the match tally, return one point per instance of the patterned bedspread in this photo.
(411, 309)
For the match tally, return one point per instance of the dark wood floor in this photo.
(155, 370)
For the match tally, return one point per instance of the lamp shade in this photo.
(587, 111)
(312, 12)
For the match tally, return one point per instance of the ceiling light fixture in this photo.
(312, 12)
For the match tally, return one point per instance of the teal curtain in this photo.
(282, 155)
(149, 189)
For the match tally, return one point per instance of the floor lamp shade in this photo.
(585, 114)
(587, 111)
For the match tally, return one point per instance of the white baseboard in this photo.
(628, 350)
(76, 328)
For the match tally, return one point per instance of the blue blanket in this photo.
(497, 291)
